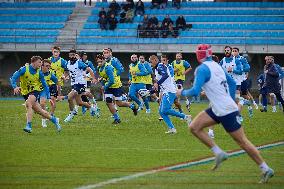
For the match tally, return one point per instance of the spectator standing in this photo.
(139, 8)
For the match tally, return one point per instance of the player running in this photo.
(31, 83)
(112, 88)
(244, 84)
(76, 69)
(51, 81)
(220, 88)
(168, 89)
(181, 68)
(137, 73)
(58, 65)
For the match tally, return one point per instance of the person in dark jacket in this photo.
(262, 92)
(102, 12)
(112, 22)
(272, 82)
(139, 8)
(103, 22)
(114, 6)
(154, 20)
(167, 20)
(181, 23)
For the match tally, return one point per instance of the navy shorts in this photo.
(230, 122)
(53, 90)
(79, 88)
(244, 87)
(35, 93)
(179, 83)
(116, 92)
(149, 87)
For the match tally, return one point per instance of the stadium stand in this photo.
(35, 22)
(251, 23)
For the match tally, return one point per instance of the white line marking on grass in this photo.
(174, 167)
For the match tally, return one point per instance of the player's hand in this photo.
(94, 80)
(156, 86)
(265, 71)
(178, 93)
(230, 69)
(133, 73)
(65, 78)
(202, 93)
(102, 88)
(17, 90)
(176, 70)
(51, 102)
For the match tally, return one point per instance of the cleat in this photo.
(187, 118)
(171, 131)
(93, 111)
(43, 123)
(263, 110)
(266, 176)
(98, 112)
(135, 111)
(69, 117)
(84, 110)
(211, 134)
(148, 111)
(140, 107)
(116, 121)
(219, 159)
(57, 125)
(187, 105)
(160, 119)
(75, 111)
(27, 130)
(250, 112)
(255, 105)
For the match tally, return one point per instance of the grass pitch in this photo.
(91, 150)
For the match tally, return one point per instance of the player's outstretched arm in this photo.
(203, 75)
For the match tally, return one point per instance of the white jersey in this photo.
(217, 91)
(169, 85)
(76, 74)
(238, 78)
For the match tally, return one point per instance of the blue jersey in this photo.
(280, 71)
(261, 80)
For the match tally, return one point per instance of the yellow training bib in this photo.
(102, 72)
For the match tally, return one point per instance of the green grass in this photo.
(91, 150)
